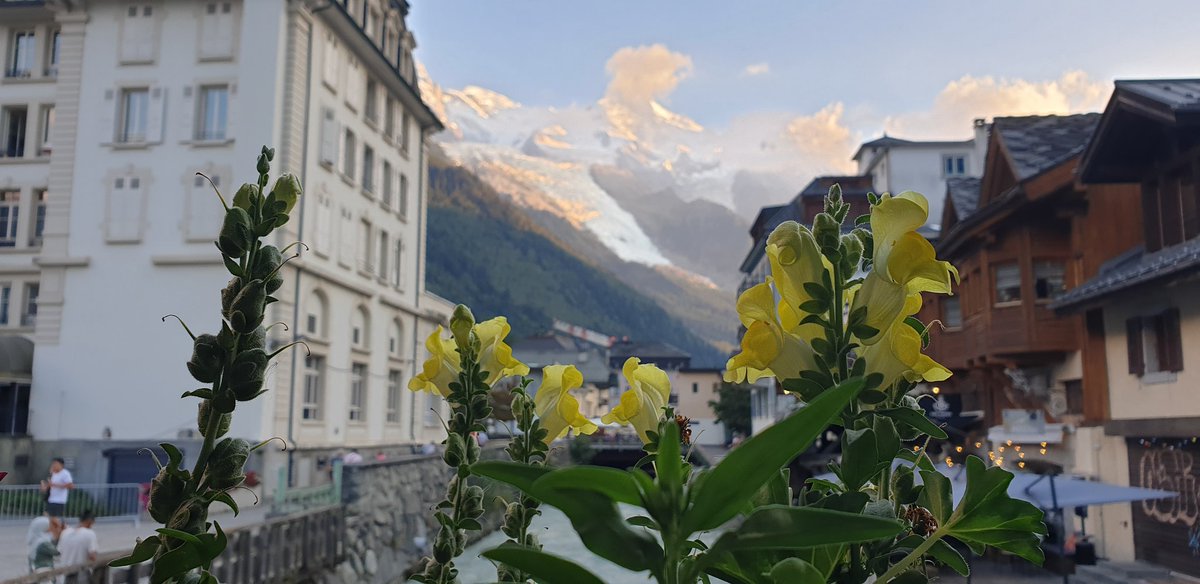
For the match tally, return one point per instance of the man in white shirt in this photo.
(79, 545)
(353, 458)
(59, 488)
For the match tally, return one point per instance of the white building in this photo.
(897, 165)
(142, 95)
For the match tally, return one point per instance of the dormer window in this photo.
(954, 165)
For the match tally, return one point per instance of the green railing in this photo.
(293, 500)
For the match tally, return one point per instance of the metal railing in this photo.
(108, 501)
(292, 500)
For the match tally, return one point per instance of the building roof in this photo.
(769, 218)
(964, 193)
(1036, 144)
(647, 351)
(890, 142)
(1143, 120)
(552, 348)
(851, 185)
(1133, 268)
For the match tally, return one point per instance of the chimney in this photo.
(982, 130)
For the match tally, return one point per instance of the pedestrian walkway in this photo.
(114, 536)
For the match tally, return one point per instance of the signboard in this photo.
(942, 407)
(1167, 531)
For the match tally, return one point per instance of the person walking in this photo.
(79, 545)
(43, 532)
(58, 488)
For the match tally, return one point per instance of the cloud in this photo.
(638, 75)
(987, 97)
(756, 69)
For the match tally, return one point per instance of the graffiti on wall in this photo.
(1167, 531)
(1171, 470)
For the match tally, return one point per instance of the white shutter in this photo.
(146, 28)
(187, 113)
(204, 211)
(324, 234)
(329, 137)
(154, 117)
(346, 232)
(130, 33)
(231, 109)
(125, 210)
(108, 115)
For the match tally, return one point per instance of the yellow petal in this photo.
(441, 368)
(893, 217)
(795, 260)
(757, 303)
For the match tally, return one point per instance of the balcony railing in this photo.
(18, 72)
(28, 319)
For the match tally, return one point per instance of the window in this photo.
(332, 60)
(1008, 283)
(365, 254)
(382, 254)
(399, 260)
(388, 184)
(403, 201)
(395, 339)
(39, 218)
(218, 27)
(1048, 280)
(47, 130)
(14, 410)
(358, 391)
(389, 118)
(29, 314)
(1154, 343)
(13, 120)
(371, 104)
(393, 397)
(315, 318)
(5, 299)
(951, 312)
(346, 243)
(135, 105)
(329, 138)
(954, 165)
(405, 123)
(368, 169)
(323, 238)
(204, 211)
(138, 31)
(695, 387)
(214, 112)
(314, 387)
(125, 210)
(360, 328)
(21, 62)
(349, 148)
(1073, 389)
(10, 211)
(55, 49)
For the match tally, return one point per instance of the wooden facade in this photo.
(1027, 241)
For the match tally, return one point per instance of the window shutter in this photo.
(231, 109)
(108, 115)
(1133, 340)
(204, 213)
(324, 226)
(154, 117)
(346, 246)
(187, 113)
(329, 138)
(1172, 342)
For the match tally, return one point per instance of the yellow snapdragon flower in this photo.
(642, 404)
(557, 409)
(442, 367)
(767, 349)
(795, 260)
(897, 354)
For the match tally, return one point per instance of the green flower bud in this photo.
(288, 190)
(207, 357)
(228, 293)
(455, 450)
(827, 232)
(236, 233)
(247, 196)
(190, 518)
(266, 263)
(264, 164)
(226, 464)
(166, 494)
(246, 311)
(202, 418)
(461, 323)
(247, 374)
(852, 249)
(254, 340)
(443, 546)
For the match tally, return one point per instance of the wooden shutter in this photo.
(1171, 342)
(1133, 340)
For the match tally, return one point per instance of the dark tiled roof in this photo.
(551, 348)
(851, 185)
(1134, 268)
(1177, 94)
(1038, 143)
(964, 193)
(648, 351)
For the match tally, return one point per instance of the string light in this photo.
(1043, 444)
(979, 445)
(936, 390)
(1021, 464)
(1017, 448)
(1167, 444)
(1001, 449)
(1008, 442)
(1020, 455)
(958, 449)
(1043, 451)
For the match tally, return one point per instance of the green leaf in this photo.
(176, 562)
(173, 454)
(144, 550)
(602, 529)
(946, 554)
(615, 484)
(521, 476)
(225, 498)
(177, 534)
(921, 329)
(796, 571)
(916, 419)
(668, 466)
(860, 459)
(936, 496)
(814, 306)
(988, 516)
(544, 567)
(910, 577)
(782, 528)
(817, 291)
(740, 474)
(887, 439)
(642, 521)
(871, 396)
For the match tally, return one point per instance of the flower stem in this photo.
(912, 556)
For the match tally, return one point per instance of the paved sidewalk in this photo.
(114, 536)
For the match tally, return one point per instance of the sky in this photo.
(914, 68)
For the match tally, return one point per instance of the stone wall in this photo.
(389, 515)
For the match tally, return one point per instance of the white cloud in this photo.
(756, 69)
(639, 75)
(987, 97)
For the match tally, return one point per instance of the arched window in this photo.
(396, 339)
(360, 328)
(316, 315)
